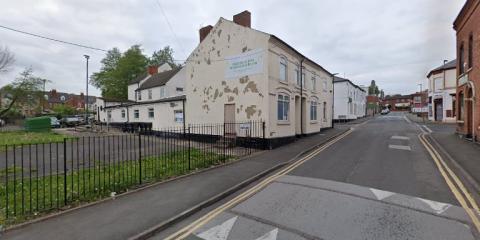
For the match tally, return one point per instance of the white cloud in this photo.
(395, 43)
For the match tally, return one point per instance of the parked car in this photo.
(55, 123)
(70, 121)
(385, 111)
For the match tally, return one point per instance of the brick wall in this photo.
(467, 24)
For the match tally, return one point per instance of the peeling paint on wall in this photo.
(228, 38)
(215, 96)
(235, 90)
(218, 53)
(251, 86)
(250, 110)
(224, 83)
(219, 32)
(206, 107)
(230, 98)
(244, 49)
(244, 79)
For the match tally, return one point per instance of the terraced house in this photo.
(239, 74)
(468, 69)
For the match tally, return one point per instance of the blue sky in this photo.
(396, 43)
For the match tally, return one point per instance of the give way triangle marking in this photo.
(219, 232)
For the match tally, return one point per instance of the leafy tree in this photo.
(373, 89)
(162, 56)
(118, 70)
(64, 110)
(23, 91)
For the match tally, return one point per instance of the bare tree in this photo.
(6, 59)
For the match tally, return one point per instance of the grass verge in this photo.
(24, 137)
(25, 199)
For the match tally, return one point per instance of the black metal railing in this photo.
(39, 178)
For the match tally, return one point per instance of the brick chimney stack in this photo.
(243, 18)
(204, 32)
(152, 70)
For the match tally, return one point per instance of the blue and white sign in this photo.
(247, 63)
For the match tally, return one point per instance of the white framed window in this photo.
(149, 94)
(123, 113)
(325, 85)
(136, 113)
(283, 105)
(179, 89)
(151, 113)
(283, 69)
(297, 75)
(162, 92)
(178, 116)
(109, 115)
(313, 111)
(139, 95)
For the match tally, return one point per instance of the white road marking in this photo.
(219, 232)
(380, 194)
(438, 207)
(400, 147)
(427, 128)
(400, 137)
(406, 119)
(272, 235)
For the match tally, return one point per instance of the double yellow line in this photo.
(456, 186)
(187, 230)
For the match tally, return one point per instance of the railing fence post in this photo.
(65, 171)
(263, 136)
(140, 156)
(189, 148)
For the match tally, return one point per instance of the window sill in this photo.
(313, 121)
(283, 82)
(280, 122)
(460, 121)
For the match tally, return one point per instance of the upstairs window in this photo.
(314, 82)
(470, 51)
(149, 94)
(283, 69)
(139, 95)
(162, 92)
(179, 89)
(297, 75)
(303, 77)
(283, 103)
(324, 85)
(461, 61)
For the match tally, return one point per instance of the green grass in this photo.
(39, 195)
(24, 137)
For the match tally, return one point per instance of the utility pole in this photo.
(421, 101)
(86, 95)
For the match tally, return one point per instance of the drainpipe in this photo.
(301, 96)
(333, 97)
(183, 112)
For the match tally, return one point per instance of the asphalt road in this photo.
(376, 183)
(386, 154)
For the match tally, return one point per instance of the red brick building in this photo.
(467, 26)
(398, 102)
(420, 103)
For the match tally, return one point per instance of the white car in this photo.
(385, 111)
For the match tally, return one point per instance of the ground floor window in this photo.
(454, 105)
(123, 113)
(283, 103)
(151, 113)
(136, 113)
(313, 111)
(324, 111)
(461, 107)
(178, 116)
(109, 115)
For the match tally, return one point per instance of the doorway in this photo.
(438, 110)
(229, 119)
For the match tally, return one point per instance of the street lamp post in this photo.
(86, 95)
(421, 101)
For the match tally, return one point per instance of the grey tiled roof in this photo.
(158, 79)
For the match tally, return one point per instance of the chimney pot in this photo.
(152, 70)
(204, 32)
(243, 18)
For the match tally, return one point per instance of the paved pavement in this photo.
(376, 183)
(131, 214)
